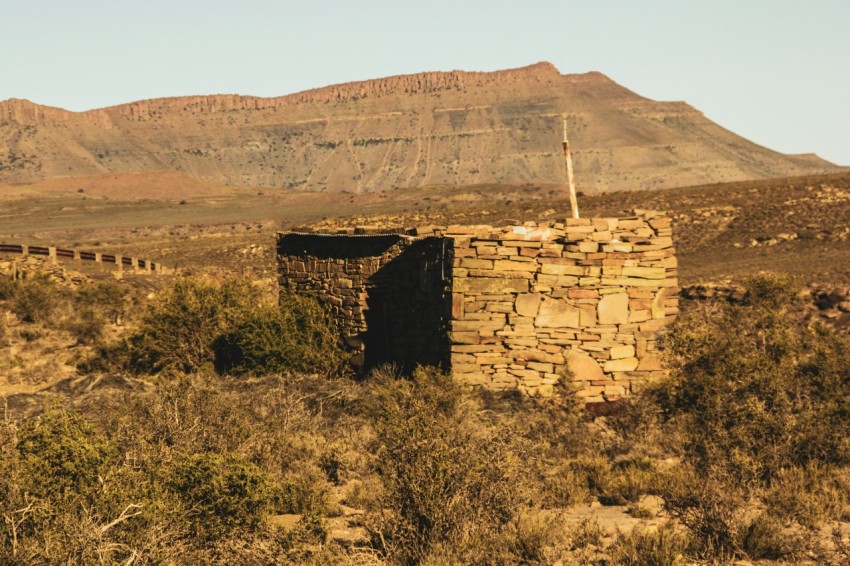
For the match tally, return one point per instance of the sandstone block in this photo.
(639, 316)
(514, 265)
(528, 304)
(592, 391)
(589, 246)
(541, 367)
(640, 304)
(465, 337)
(583, 367)
(587, 316)
(659, 223)
(613, 309)
(658, 303)
(471, 378)
(555, 313)
(457, 306)
(653, 325)
(624, 364)
(474, 348)
(645, 272)
(489, 359)
(583, 294)
(522, 342)
(650, 363)
(554, 269)
(491, 285)
(632, 282)
(477, 325)
(474, 263)
(620, 352)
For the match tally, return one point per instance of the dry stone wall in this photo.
(504, 308)
(588, 295)
(388, 292)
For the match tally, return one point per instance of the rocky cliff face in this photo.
(413, 130)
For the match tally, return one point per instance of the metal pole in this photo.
(570, 179)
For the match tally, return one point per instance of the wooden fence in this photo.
(121, 262)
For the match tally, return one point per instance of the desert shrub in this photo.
(303, 491)
(717, 511)
(711, 508)
(38, 299)
(662, 547)
(229, 325)
(7, 288)
(765, 538)
(113, 357)
(87, 328)
(533, 535)
(449, 484)
(4, 328)
(308, 530)
(754, 392)
(179, 327)
(186, 414)
(297, 335)
(220, 492)
(564, 485)
(810, 495)
(62, 453)
(94, 304)
(629, 479)
(103, 297)
(15, 505)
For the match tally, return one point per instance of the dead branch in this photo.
(125, 514)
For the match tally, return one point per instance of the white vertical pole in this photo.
(570, 179)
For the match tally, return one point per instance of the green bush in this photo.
(180, 327)
(220, 492)
(297, 335)
(62, 454)
(197, 324)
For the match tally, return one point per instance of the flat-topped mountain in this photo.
(434, 128)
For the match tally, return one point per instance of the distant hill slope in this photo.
(405, 131)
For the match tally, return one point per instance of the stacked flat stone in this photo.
(524, 306)
(406, 279)
(587, 295)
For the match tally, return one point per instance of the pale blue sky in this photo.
(774, 71)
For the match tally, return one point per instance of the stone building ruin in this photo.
(501, 308)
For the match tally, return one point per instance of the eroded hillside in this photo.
(418, 130)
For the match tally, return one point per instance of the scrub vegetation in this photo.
(235, 435)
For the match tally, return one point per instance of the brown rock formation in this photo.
(413, 130)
